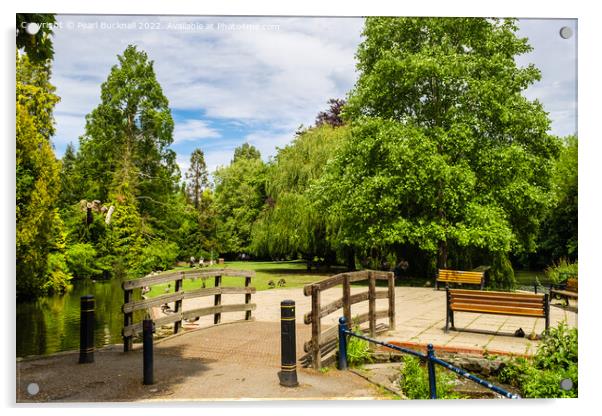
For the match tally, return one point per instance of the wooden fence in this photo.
(131, 328)
(322, 345)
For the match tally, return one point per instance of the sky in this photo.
(231, 80)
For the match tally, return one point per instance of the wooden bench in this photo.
(497, 303)
(459, 276)
(569, 291)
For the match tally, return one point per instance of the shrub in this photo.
(81, 259)
(57, 274)
(501, 274)
(414, 381)
(556, 359)
(560, 271)
(358, 351)
(158, 255)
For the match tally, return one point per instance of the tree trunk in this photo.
(442, 258)
(351, 259)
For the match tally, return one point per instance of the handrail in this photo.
(429, 357)
(178, 315)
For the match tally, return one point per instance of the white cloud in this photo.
(193, 130)
(284, 76)
(279, 79)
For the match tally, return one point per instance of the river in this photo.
(51, 324)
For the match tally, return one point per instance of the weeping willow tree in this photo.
(290, 225)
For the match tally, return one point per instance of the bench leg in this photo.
(451, 318)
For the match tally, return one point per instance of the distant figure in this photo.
(191, 261)
(281, 283)
(271, 284)
(166, 309)
(201, 262)
(145, 290)
(401, 267)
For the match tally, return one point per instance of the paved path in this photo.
(225, 362)
(241, 360)
(420, 316)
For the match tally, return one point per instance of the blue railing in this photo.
(430, 358)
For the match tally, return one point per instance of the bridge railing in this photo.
(429, 357)
(131, 328)
(322, 345)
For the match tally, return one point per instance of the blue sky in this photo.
(231, 80)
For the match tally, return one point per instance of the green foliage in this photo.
(414, 382)
(358, 350)
(57, 275)
(556, 359)
(159, 255)
(81, 259)
(290, 223)
(561, 270)
(39, 229)
(197, 176)
(246, 151)
(239, 196)
(559, 234)
(501, 274)
(445, 151)
(38, 47)
(71, 179)
(127, 138)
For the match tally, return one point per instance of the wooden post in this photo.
(347, 299)
(178, 304)
(128, 319)
(391, 295)
(218, 301)
(247, 297)
(315, 327)
(372, 302)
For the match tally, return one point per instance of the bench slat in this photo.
(505, 295)
(504, 310)
(460, 276)
(534, 305)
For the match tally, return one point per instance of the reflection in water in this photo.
(51, 324)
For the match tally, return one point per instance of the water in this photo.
(51, 324)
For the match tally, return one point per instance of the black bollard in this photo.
(342, 343)
(86, 329)
(148, 327)
(288, 345)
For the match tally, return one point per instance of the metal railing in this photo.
(429, 357)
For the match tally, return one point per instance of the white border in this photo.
(590, 174)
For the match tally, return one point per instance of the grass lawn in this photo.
(293, 272)
(296, 275)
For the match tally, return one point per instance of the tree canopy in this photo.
(290, 223)
(39, 233)
(445, 150)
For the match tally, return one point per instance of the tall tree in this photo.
(290, 224)
(239, 196)
(446, 151)
(131, 128)
(198, 178)
(125, 160)
(246, 151)
(559, 236)
(39, 227)
(71, 179)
